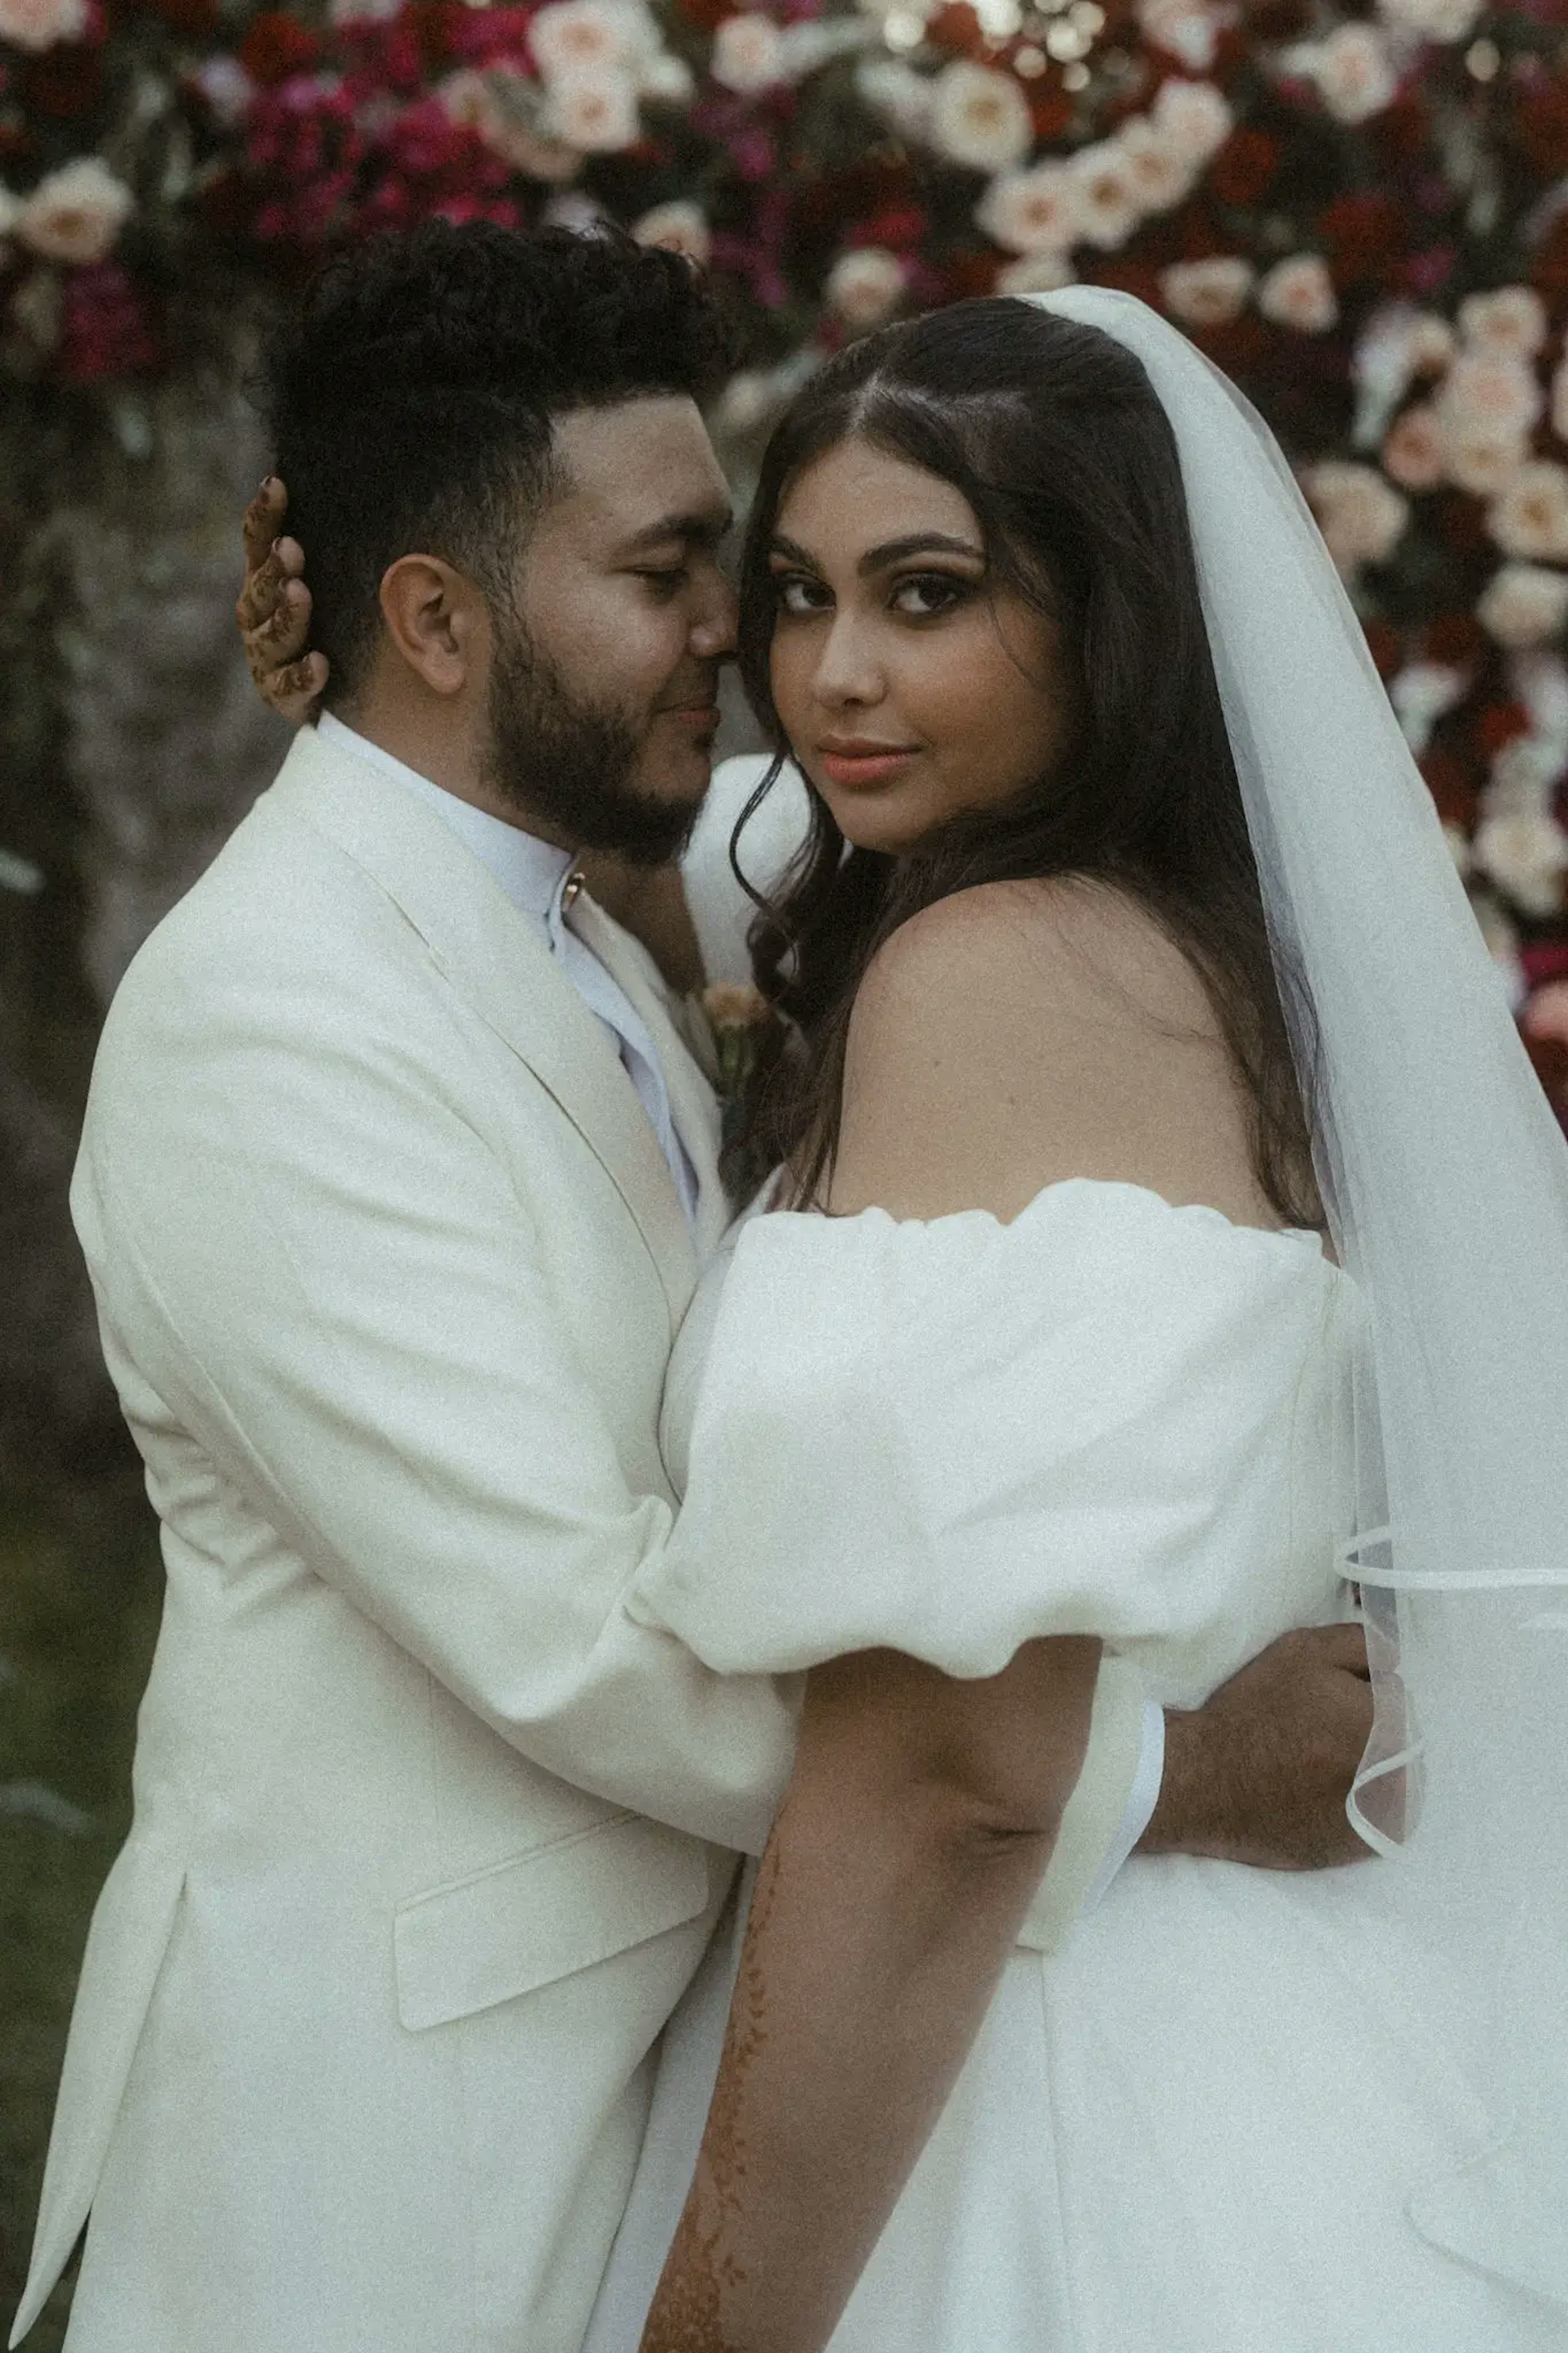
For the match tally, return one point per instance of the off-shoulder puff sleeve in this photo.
(953, 1436)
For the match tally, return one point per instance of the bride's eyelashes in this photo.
(915, 597)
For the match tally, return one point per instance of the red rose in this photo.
(1452, 786)
(1244, 167)
(1051, 111)
(1385, 645)
(278, 46)
(1499, 724)
(898, 227)
(1362, 234)
(1544, 128)
(1457, 640)
(968, 274)
(957, 28)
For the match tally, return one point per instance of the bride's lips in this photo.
(854, 761)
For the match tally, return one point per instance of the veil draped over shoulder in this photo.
(1446, 1180)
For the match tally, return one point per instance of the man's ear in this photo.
(437, 620)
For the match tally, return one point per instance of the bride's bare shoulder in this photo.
(1017, 1033)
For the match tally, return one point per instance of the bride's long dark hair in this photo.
(1053, 433)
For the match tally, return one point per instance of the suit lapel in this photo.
(505, 973)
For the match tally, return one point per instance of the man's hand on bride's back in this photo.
(1260, 1773)
(274, 611)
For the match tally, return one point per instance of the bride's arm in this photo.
(919, 1818)
(1003, 1039)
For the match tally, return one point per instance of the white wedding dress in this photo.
(1195, 2128)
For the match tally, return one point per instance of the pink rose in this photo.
(1412, 453)
(1206, 294)
(1300, 293)
(40, 24)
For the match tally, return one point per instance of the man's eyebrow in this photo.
(892, 551)
(698, 528)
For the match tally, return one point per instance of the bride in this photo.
(1142, 1023)
(1169, 1231)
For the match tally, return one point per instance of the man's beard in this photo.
(556, 755)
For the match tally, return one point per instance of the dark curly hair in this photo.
(1053, 433)
(410, 397)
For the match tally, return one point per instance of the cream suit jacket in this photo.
(431, 1832)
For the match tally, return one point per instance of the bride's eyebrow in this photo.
(890, 550)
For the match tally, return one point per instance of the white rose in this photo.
(1194, 117)
(1509, 323)
(980, 118)
(1481, 456)
(898, 93)
(864, 286)
(1300, 293)
(1035, 273)
(582, 36)
(1421, 693)
(38, 24)
(1033, 210)
(1353, 72)
(76, 214)
(502, 106)
(1431, 344)
(679, 226)
(1398, 344)
(1523, 605)
(1481, 390)
(1413, 454)
(668, 80)
(1188, 30)
(746, 402)
(1206, 294)
(1108, 206)
(748, 53)
(595, 113)
(1526, 855)
(1162, 176)
(1362, 518)
(1530, 517)
(1432, 20)
(226, 88)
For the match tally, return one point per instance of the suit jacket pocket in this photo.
(542, 1915)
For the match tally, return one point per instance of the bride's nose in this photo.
(848, 670)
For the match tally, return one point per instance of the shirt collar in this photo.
(528, 870)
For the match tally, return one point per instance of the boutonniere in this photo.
(743, 1025)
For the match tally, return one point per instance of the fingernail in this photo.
(269, 482)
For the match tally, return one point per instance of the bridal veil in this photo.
(1445, 1181)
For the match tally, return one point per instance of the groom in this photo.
(395, 1182)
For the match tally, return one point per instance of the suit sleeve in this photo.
(326, 1273)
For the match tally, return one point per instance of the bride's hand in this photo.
(1260, 1773)
(274, 611)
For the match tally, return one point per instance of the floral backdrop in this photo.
(1360, 213)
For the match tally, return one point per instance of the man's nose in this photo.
(713, 635)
